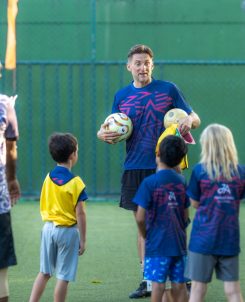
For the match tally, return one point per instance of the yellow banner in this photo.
(10, 58)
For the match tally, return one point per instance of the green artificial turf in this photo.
(108, 271)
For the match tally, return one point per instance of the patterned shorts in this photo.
(158, 269)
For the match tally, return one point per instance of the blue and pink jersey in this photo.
(215, 229)
(146, 108)
(163, 196)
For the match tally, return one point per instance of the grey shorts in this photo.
(131, 180)
(59, 251)
(201, 267)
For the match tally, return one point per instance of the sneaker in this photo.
(140, 292)
(188, 286)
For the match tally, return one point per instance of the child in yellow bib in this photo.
(173, 130)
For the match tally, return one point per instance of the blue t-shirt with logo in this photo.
(215, 227)
(163, 196)
(146, 107)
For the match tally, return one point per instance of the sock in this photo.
(148, 285)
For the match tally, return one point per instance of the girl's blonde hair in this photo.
(219, 153)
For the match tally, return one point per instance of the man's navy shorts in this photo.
(7, 252)
(131, 180)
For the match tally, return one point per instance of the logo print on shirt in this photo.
(224, 189)
(224, 194)
(171, 196)
(172, 199)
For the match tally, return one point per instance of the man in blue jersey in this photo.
(145, 100)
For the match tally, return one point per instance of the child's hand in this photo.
(81, 248)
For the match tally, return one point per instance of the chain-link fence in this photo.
(69, 65)
(77, 97)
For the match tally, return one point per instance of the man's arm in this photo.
(11, 158)
(195, 120)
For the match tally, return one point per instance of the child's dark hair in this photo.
(172, 150)
(61, 146)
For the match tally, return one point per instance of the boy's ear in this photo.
(128, 67)
(157, 158)
(71, 155)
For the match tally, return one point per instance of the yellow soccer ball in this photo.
(173, 116)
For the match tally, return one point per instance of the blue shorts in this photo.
(59, 251)
(158, 269)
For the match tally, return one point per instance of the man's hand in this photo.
(107, 135)
(185, 125)
(192, 121)
(14, 191)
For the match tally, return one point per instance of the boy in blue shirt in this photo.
(162, 217)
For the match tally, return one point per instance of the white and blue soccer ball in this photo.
(120, 123)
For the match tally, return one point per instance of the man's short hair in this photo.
(140, 48)
(172, 150)
(61, 146)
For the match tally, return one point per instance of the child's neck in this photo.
(162, 166)
(65, 165)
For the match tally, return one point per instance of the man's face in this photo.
(141, 66)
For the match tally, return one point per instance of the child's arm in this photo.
(194, 203)
(140, 219)
(187, 218)
(81, 224)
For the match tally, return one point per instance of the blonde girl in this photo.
(216, 188)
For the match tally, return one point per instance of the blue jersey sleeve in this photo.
(83, 196)
(179, 100)
(241, 169)
(143, 195)
(115, 107)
